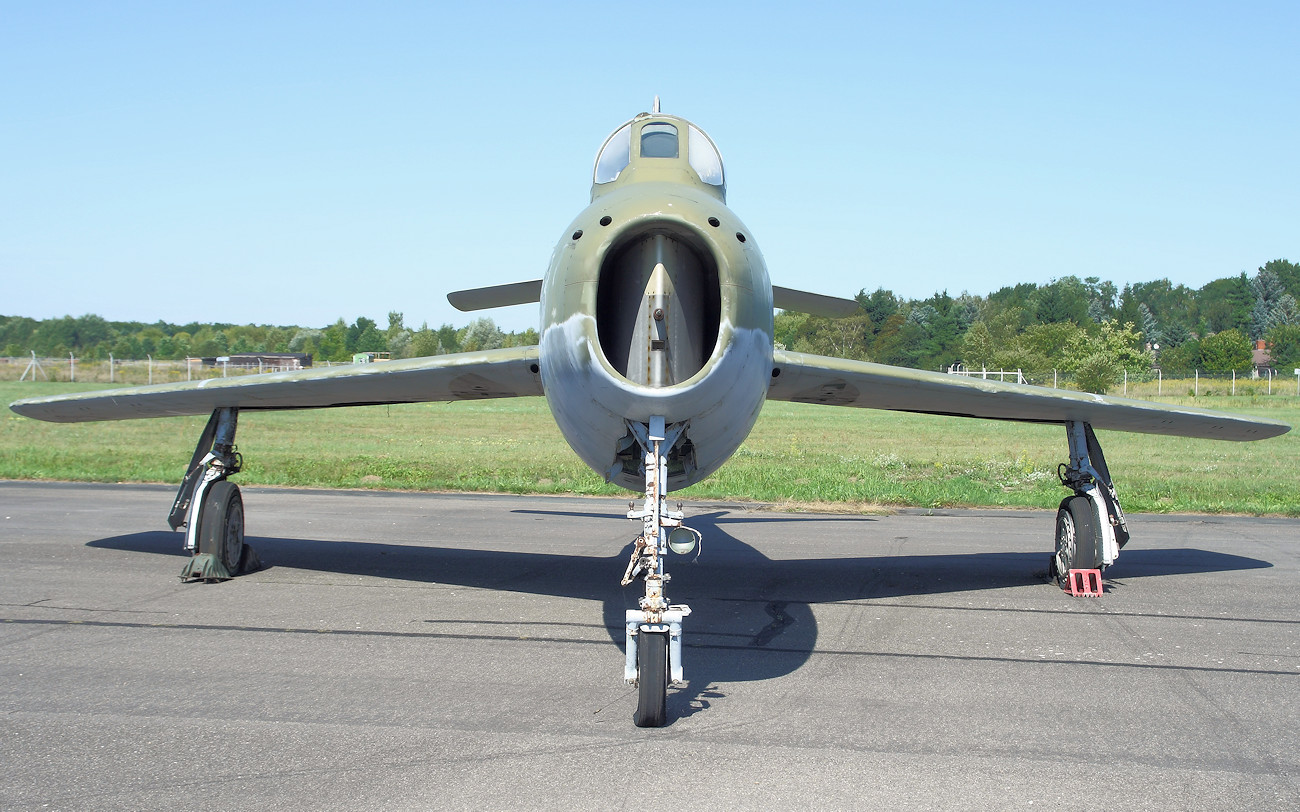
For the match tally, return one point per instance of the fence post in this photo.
(33, 367)
(1196, 391)
(1234, 383)
(1053, 379)
(72, 368)
(1126, 382)
(1160, 382)
(151, 370)
(110, 367)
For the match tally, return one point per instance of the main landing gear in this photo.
(1090, 525)
(210, 508)
(654, 632)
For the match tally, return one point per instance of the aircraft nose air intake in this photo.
(658, 308)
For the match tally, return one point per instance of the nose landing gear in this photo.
(654, 632)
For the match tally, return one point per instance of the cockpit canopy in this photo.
(659, 138)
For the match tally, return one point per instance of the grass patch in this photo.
(798, 454)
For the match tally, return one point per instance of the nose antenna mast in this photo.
(656, 105)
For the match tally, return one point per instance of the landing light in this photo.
(682, 540)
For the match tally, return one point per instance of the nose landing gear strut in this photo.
(654, 632)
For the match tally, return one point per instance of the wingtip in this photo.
(457, 300)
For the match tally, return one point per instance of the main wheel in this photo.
(652, 679)
(1078, 538)
(221, 532)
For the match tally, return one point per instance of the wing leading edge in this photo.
(503, 373)
(804, 378)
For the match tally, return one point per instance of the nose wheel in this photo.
(652, 679)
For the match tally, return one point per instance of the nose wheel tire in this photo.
(1078, 538)
(652, 679)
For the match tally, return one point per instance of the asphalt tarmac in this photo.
(418, 651)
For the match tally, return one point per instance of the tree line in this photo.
(93, 338)
(1087, 327)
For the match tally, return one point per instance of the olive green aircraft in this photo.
(655, 358)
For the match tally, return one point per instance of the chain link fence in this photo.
(124, 372)
(1155, 384)
(1158, 383)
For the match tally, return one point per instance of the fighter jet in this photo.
(656, 356)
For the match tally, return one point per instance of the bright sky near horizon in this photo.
(297, 162)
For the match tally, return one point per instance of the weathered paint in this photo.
(591, 400)
(502, 373)
(840, 382)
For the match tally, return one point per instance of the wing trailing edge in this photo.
(503, 373)
(804, 378)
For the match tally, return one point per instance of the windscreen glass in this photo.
(658, 141)
(615, 155)
(704, 157)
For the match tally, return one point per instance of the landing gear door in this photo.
(1115, 513)
(193, 474)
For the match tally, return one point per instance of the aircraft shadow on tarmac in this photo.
(752, 616)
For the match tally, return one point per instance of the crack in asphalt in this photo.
(803, 652)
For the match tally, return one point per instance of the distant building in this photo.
(1261, 358)
(265, 361)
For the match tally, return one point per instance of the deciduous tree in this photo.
(1226, 351)
(1284, 348)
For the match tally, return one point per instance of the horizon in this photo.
(468, 317)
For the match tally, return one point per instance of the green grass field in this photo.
(798, 456)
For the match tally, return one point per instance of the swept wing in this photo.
(515, 293)
(504, 373)
(805, 378)
(815, 303)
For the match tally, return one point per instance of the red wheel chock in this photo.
(1084, 583)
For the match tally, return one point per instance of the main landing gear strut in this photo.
(210, 508)
(1090, 525)
(654, 632)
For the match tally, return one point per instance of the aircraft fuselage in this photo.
(656, 302)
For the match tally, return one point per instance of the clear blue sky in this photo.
(291, 163)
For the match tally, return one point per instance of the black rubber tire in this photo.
(1078, 538)
(221, 532)
(652, 679)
